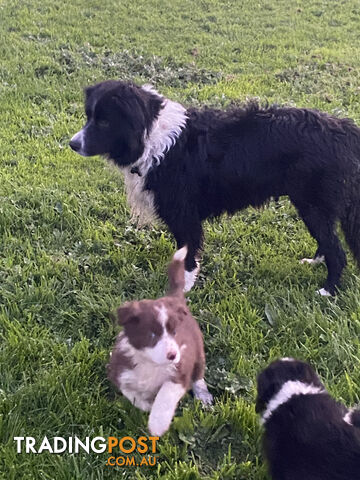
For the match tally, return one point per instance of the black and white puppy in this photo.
(185, 165)
(308, 435)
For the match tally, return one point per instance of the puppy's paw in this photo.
(206, 398)
(201, 392)
(158, 425)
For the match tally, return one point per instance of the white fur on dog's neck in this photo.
(287, 391)
(162, 136)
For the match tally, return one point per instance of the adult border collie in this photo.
(184, 166)
(308, 435)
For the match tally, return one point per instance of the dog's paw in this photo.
(313, 261)
(201, 392)
(158, 425)
(206, 398)
(307, 260)
(190, 278)
(324, 293)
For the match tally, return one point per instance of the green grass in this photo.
(69, 254)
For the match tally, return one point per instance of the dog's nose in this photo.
(75, 145)
(171, 356)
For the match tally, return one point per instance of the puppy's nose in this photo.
(171, 356)
(75, 145)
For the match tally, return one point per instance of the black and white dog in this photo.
(308, 435)
(183, 166)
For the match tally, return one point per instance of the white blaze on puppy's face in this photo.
(166, 349)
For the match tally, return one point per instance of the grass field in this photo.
(69, 253)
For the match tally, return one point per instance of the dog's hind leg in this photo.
(201, 392)
(319, 257)
(192, 238)
(322, 228)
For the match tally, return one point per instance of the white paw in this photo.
(323, 292)
(307, 260)
(201, 392)
(158, 425)
(190, 278)
(206, 398)
(164, 407)
(313, 261)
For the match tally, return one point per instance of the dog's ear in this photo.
(263, 398)
(267, 385)
(129, 312)
(307, 374)
(88, 91)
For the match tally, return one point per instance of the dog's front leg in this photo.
(164, 407)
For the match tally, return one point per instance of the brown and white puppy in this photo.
(159, 355)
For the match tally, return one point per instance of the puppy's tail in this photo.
(176, 272)
(350, 222)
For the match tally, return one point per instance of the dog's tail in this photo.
(350, 222)
(176, 272)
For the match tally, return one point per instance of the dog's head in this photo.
(270, 380)
(151, 325)
(119, 117)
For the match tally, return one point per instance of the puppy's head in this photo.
(119, 117)
(270, 380)
(151, 327)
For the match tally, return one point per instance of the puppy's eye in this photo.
(152, 335)
(174, 332)
(103, 123)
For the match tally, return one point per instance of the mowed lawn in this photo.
(70, 254)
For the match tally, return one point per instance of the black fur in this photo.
(306, 438)
(224, 161)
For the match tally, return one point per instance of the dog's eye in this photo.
(152, 335)
(102, 123)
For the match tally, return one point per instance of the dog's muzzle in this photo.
(76, 143)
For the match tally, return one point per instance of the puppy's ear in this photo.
(267, 386)
(264, 397)
(307, 374)
(129, 312)
(260, 404)
(88, 91)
